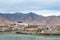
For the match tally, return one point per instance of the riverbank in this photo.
(38, 33)
(12, 32)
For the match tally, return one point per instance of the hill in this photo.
(31, 18)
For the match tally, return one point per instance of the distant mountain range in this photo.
(30, 18)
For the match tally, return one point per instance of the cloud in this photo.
(11, 1)
(47, 12)
(44, 7)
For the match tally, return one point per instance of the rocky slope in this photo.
(30, 18)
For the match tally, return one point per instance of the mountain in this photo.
(51, 20)
(11, 17)
(31, 18)
(20, 16)
(3, 21)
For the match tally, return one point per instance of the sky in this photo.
(41, 7)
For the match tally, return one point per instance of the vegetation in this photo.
(58, 29)
(39, 30)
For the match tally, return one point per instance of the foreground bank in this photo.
(25, 28)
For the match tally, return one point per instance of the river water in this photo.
(27, 37)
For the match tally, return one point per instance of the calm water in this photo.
(27, 37)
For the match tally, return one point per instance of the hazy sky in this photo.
(42, 7)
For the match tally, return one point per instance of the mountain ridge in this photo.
(31, 18)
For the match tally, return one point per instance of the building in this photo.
(17, 26)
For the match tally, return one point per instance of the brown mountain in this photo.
(51, 20)
(30, 18)
(4, 21)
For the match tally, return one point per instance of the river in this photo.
(27, 37)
